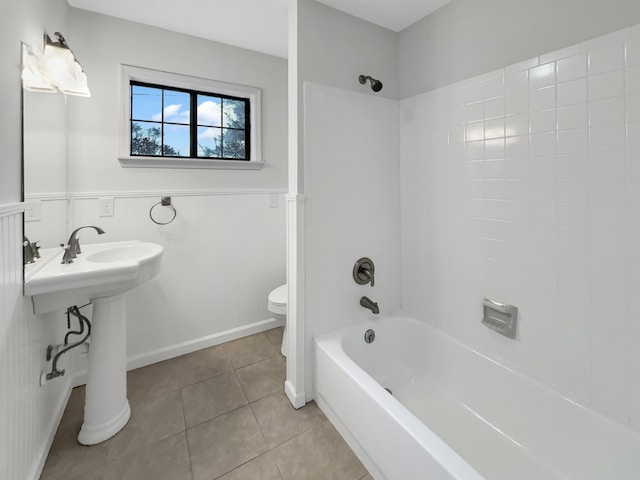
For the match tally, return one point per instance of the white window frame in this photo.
(166, 79)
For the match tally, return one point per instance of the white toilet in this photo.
(277, 305)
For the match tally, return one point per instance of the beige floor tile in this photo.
(152, 419)
(165, 460)
(318, 453)
(263, 378)
(203, 364)
(248, 350)
(153, 380)
(275, 336)
(261, 468)
(224, 443)
(67, 458)
(210, 398)
(279, 421)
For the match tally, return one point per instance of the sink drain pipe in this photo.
(75, 311)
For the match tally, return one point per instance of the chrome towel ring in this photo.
(165, 202)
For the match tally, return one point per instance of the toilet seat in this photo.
(278, 300)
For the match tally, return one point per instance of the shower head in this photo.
(376, 85)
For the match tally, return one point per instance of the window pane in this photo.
(146, 103)
(176, 107)
(209, 142)
(145, 138)
(209, 110)
(233, 144)
(233, 113)
(176, 141)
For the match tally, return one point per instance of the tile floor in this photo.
(219, 413)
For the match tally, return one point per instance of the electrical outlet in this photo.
(33, 211)
(274, 200)
(106, 207)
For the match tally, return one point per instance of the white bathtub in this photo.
(455, 414)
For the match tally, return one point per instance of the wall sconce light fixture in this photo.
(57, 69)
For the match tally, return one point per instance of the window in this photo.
(177, 121)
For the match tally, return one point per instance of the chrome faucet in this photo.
(366, 302)
(72, 250)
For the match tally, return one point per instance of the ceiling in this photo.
(259, 25)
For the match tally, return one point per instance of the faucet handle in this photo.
(69, 254)
(363, 271)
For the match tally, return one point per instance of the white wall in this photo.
(470, 37)
(226, 249)
(522, 185)
(94, 122)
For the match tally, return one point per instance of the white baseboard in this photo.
(53, 428)
(363, 456)
(297, 399)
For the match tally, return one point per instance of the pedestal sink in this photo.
(102, 274)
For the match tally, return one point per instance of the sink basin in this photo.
(101, 270)
(124, 253)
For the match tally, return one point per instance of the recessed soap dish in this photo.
(500, 317)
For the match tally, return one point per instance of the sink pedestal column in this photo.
(106, 409)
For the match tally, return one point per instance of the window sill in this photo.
(156, 162)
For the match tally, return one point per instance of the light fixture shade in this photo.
(56, 71)
(59, 66)
(32, 78)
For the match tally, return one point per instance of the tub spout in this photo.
(370, 304)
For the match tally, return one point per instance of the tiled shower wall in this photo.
(523, 185)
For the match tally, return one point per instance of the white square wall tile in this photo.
(573, 116)
(633, 136)
(543, 144)
(474, 112)
(572, 68)
(543, 167)
(475, 131)
(518, 146)
(516, 104)
(494, 128)
(543, 121)
(473, 93)
(542, 76)
(633, 80)
(605, 112)
(518, 125)
(475, 150)
(605, 85)
(542, 98)
(494, 149)
(572, 92)
(573, 190)
(633, 47)
(494, 108)
(573, 165)
(633, 108)
(607, 138)
(607, 164)
(516, 82)
(606, 58)
(573, 141)
(493, 88)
